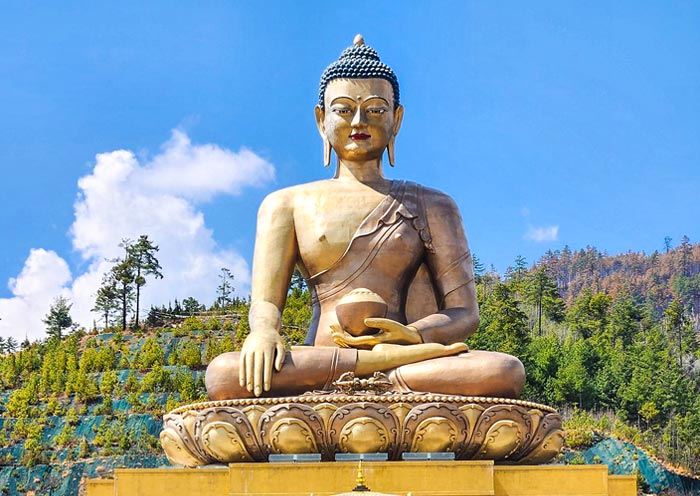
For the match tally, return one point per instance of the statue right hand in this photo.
(260, 351)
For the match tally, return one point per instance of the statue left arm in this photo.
(450, 264)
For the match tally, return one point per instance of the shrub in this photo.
(192, 324)
(157, 380)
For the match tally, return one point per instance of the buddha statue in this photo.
(384, 368)
(401, 241)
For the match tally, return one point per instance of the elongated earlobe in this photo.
(326, 152)
(390, 151)
(398, 118)
(320, 115)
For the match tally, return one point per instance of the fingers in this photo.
(267, 371)
(394, 332)
(258, 372)
(279, 359)
(340, 336)
(340, 342)
(249, 371)
(242, 370)
(381, 323)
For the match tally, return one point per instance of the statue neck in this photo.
(366, 172)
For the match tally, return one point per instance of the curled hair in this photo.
(358, 61)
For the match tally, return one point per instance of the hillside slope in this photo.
(616, 336)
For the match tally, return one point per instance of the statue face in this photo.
(359, 119)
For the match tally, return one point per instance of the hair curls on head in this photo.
(358, 61)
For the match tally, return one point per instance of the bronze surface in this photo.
(472, 428)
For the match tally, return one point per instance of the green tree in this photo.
(543, 357)
(573, 382)
(478, 267)
(588, 314)
(191, 306)
(107, 297)
(141, 257)
(296, 316)
(225, 288)
(58, 318)
(503, 326)
(8, 345)
(190, 355)
(516, 274)
(541, 291)
(123, 274)
(109, 382)
(680, 330)
(149, 355)
(626, 315)
(297, 281)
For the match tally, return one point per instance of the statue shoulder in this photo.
(284, 200)
(436, 202)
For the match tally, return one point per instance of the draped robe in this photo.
(412, 264)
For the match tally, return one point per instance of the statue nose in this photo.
(359, 118)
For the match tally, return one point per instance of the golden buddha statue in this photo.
(402, 241)
(385, 368)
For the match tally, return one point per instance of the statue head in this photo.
(358, 61)
(358, 93)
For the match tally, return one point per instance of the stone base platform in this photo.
(473, 478)
(473, 428)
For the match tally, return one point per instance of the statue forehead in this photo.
(359, 88)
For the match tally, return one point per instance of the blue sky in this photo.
(550, 123)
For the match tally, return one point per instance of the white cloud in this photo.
(542, 234)
(45, 275)
(124, 198)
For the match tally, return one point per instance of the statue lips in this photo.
(360, 136)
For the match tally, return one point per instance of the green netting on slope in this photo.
(89, 425)
(626, 458)
(64, 479)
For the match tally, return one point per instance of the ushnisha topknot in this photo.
(358, 61)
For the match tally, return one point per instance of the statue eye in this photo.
(341, 110)
(376, 111)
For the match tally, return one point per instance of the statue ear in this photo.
(398, 118)
(320, 116)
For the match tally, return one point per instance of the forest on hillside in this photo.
(618, 336)
(612, 341)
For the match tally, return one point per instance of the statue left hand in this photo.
(390, 331)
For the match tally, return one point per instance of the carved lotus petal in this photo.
(175, 449)
(225, 443)
(292, 429)
(364, 428)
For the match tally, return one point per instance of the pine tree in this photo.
(503, 326)
(478, 267)
(123, 274)
(542, 292)
(58, 318)
(191, 306)
(107, 297)
(225, 289)
(680, 330)
(141, 256)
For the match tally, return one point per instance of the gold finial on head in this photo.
(359, 40)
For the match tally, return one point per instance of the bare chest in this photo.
(330, 220)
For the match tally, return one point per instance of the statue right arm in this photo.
(273, 263)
